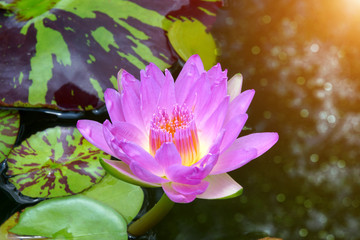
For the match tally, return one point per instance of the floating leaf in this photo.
(55, 162)
(9, 127)
(189, 37)
(126, 198)
(75, 217)
(63, 54)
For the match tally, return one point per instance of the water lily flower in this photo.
(182, 135)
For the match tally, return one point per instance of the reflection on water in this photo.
(302, 58)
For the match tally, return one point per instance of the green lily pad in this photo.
(189, 37)
(9, 128)
(55, 162)
(75, 217)
(63, 54)
(126, 198)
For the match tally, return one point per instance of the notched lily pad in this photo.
(9, 128)
(75, 217)
(189, 37)
(55, 162)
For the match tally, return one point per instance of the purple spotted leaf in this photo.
(9, 127)
(63, 54)
(55, 162)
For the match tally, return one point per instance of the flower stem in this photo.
(152, 217)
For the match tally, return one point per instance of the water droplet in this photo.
(280, 197)
(328, 86)
(341, 163)
(300, 80)
(303, 232)
(314, 157)
(263, 82)
(331, 119)
(255, 50)
(314, 48)
(267, 114)
(304, 113)
(308, 203)
(266, 19)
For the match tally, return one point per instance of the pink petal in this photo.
(176, 196)
(167, 155)
(209, 128)
(122, 171)
(145, 174)
(128, 82)
(214, 98)
(260, 141)
(141, 157)
(216, 75)
(93, 132)
(232, 130)
(221, 186)
(131, 100)
(188, 77)
(152, 80)
(192, 174)
(213, 92)
(187, 189)
(127, 131)
(155, 73)
(113, 105)
(114, 145)
(234, 86)
(243, 150)
(234, 159)
(215, 147)
(167, 95)
(239, 105)
(200, 94)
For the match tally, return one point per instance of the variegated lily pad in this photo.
(63, 54)
(55, 162)
(9, 127)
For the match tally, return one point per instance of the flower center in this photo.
(179, 128)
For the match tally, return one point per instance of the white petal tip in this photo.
(234, 86)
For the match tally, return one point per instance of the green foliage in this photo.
(75, 217)
(125, 198)
(189, 37)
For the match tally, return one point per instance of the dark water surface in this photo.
(302, 58)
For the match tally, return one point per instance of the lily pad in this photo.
(125, 198)
(189, 37)
(55, 162)
(63, 54)
(9, 128)
(75, 217)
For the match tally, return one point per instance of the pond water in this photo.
(301, 57)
